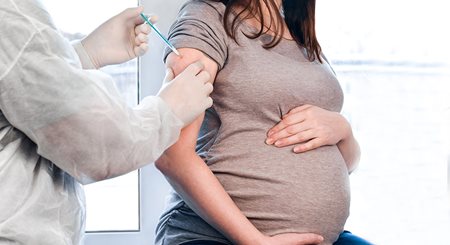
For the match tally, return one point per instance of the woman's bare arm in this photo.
(191, 177)
(350, 151)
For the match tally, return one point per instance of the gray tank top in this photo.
(279, 191)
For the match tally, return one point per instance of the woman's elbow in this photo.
(171, 161)
(163, 164)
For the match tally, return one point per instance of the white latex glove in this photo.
(120, 39)
(187, 94)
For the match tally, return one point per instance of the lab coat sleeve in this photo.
(85, 60)
(76, 117)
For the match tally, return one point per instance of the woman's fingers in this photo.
(297, 110)
(310, 145)
(296, 239)
(286, 122)
(296, 138)
(287, 132)
(310, 127)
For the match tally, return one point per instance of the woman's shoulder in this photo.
(203, 8)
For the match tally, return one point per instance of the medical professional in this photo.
(62, 122)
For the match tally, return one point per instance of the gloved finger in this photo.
(151, 17)
(141, 49)
(194, 68)
(140, 39)
(169, 76)
(208, 102)
(204, 76)
(142, 28)
(209, 88)
(131, 13)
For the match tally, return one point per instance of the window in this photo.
(392, 61)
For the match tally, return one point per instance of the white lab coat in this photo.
(60, 125)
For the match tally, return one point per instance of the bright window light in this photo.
(391, 58)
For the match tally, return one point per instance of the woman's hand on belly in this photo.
(309, 127)
(293, 239)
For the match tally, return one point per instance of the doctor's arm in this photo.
(78, 119)
(193, 180)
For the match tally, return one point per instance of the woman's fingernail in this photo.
(269, 141)
(270, 133)
(278, 143)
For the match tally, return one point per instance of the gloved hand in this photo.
(187, 94)
(120, 39)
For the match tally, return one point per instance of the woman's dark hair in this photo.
(299, 16)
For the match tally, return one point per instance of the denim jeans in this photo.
(345, 238)
(182, 226)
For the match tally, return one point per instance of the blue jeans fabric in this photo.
(203, 243)
(182, 226)
(346, 238)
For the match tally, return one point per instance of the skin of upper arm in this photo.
(188, 136)
(189, 56)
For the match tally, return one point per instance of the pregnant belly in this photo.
(280, 191)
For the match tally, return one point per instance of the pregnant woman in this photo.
(234, 180)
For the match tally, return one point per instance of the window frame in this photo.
(153, 188)
(140, 236)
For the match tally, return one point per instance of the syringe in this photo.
(160, 35)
